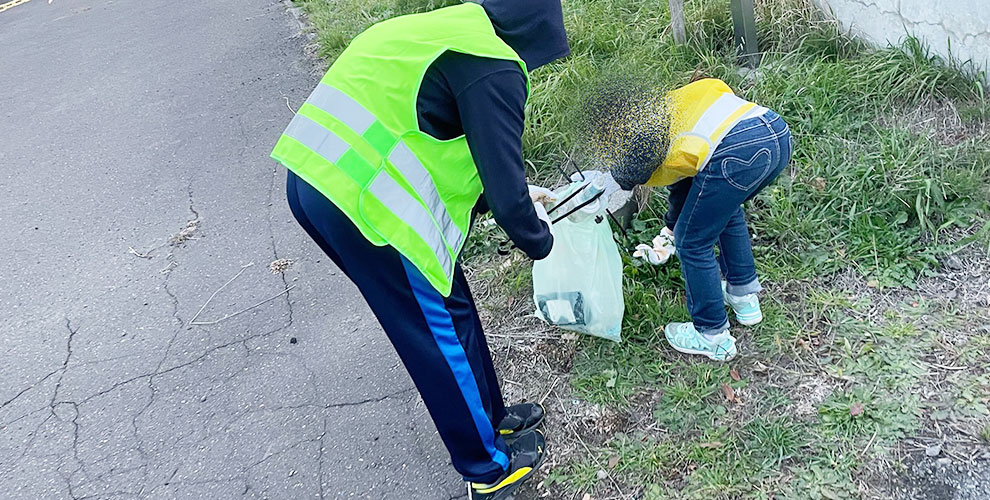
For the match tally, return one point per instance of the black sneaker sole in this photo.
(509, 438)
(507, 492)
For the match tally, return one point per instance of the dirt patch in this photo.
(939, 119)
(809, 394)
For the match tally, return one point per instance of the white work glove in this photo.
(661, 250)
(541, 213)
(541, 195)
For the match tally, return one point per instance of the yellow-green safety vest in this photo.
(357, 140)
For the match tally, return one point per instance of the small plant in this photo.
(859, 414)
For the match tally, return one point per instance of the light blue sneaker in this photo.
(746, 307)
(684, 338)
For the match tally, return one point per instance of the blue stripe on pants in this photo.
(442, 326)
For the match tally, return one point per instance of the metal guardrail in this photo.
(743, 28)
(744, 32)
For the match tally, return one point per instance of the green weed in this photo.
(862, 413)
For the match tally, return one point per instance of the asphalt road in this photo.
(122, 123)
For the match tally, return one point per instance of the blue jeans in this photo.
(707, 210)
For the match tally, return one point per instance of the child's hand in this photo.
(660, 251)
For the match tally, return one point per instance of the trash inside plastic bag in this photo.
(579, 285)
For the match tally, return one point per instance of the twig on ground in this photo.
(552, 387)
(944, 367)
(869, 444)
(246, 309)
(245, 266)
(139, 254)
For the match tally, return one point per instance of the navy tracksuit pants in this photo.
(439, 339)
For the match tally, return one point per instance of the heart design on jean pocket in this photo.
(744, 175)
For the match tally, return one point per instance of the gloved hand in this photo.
(661, 250)
(541, 213)
(541, 195)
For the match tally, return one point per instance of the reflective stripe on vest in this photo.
(403, 205)
(342, 107)
(414, 172)
(312, 135)
(435, 226)
(717, 115)
(718, 119)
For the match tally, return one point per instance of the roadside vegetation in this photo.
(873, 362)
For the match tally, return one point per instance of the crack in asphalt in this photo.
(28, 388)
(319, 458)
(271, 235)
(370, 400)
(65, 363)
(52, 402)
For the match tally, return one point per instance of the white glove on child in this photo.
(661, 250)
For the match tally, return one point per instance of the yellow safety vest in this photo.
(703, 112)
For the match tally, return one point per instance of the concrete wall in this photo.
(963, 25)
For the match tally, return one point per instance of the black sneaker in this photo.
(528, 452)
(520, 419)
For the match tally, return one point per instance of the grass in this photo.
(860, 349)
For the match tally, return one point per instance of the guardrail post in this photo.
(744, 29)
(677, 24)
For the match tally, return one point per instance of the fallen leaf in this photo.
(729, 392)
(735, 375)
(819, 184)
(587, 496)
(710, 445)
(856, 409)
(612, 462)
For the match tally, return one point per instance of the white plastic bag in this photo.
(579, 285)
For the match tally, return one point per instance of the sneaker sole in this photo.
(742, 320)
(508, 492)
(706, 354)
(509, 438)
(755, 320)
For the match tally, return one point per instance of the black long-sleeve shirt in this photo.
(484, 100)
